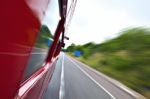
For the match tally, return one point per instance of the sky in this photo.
(100, 20)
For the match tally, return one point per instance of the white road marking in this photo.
(92, 79)
(118, 84)
(62, 82)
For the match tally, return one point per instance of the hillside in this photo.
(44, 37)
(125, 58)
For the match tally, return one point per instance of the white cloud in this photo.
(98, 20)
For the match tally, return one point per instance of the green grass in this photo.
(125, 58)
(120, 67)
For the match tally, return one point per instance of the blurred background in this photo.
(125, 58)
(113, 37)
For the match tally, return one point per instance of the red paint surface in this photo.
(20, 21)
(34, 87)
(19, 25)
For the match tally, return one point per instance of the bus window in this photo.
(44, 41)
(52, 16)
(39, 52)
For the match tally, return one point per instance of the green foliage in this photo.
(45, 32)
(132, 40)
(43, 37)
(85, 49)
(125, 58)
(71, 48)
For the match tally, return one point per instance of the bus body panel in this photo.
(20, 23)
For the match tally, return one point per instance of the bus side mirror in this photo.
(67, 38)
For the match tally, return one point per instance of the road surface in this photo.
(73, 80)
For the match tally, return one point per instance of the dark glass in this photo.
(39, 52)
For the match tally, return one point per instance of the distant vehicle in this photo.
(28, 54)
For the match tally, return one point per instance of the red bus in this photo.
(28, 52)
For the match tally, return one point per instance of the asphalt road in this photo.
(73, 80)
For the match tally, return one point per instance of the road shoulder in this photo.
(116, 83)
